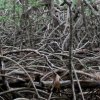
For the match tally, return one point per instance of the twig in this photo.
(70, 53)
(78, 82)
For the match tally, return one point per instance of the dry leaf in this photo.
(97, 75)
(56, 82)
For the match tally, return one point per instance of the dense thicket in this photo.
(50, 49)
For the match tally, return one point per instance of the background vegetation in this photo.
(49, 49)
